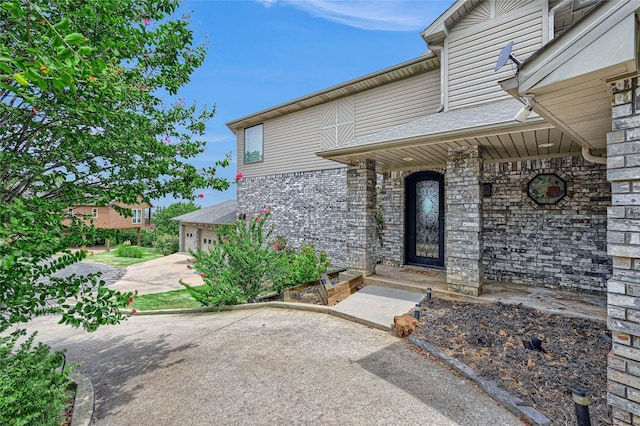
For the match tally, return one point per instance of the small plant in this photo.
(33, 382)
(127, 250)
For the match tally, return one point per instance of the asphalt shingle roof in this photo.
(457, 120)
(223, 213)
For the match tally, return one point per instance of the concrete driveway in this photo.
(265, 367)
(158, 275)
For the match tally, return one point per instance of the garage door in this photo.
(207, 237)
(189, 237)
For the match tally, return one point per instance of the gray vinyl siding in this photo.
(475, 44)
(291, 141)
(397, 103)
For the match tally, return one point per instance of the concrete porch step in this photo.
(383, 281)
(375, 306)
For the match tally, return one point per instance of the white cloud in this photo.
(385, 15)
(213, 138)
(268, 3)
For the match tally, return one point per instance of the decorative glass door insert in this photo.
(424, 238)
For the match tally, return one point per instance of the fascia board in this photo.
(592, 30)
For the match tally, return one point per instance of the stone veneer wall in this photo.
(623, 171)
(553, 246)
(308, 208)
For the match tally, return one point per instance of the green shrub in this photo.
(127, 250)
(147, 238)
(245, 263)
(33, 383)
(167, 244)
(295, 268)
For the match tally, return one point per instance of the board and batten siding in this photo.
(291, 141)
(397, 103)
(474, 45)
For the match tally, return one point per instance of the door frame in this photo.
(411, 182)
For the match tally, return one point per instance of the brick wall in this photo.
(463, 220)
(393, 211)
(623, 171)
(561, 245)
(308, 207)
(361, 242)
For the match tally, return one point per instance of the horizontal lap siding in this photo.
(291, 141)
(473, 52)
(289, 145)
(397, 103)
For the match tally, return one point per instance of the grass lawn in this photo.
(110, 258)
(168, 300)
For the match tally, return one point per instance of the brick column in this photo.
(463, 220)
(393, 210)
(623, 244)
(361, 240)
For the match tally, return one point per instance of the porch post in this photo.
(623, 244)
(361, 240)
(463, 249)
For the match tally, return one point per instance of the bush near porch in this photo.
(245, 263)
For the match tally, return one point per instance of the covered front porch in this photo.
(445, 191)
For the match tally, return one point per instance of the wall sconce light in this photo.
(529, 103)
(487, 189)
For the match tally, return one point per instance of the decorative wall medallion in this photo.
(547, 188)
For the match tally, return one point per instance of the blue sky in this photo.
(265, 52)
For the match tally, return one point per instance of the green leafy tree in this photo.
(162, 217)
(89, 113)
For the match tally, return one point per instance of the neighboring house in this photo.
(586, 82)
(433, 145)
(197, 228)
(108, 217)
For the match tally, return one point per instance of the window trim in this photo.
(139, 216)
(261, 159)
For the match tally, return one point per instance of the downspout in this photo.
(552, 13)
(439, 51)
(587, 155)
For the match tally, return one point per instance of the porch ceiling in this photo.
(424, 144)
(569, 77)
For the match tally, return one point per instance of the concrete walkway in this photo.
(376, 306)
(265, 367)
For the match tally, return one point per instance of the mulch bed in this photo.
(489, 339)
(309, 294)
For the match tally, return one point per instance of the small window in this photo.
(94, 212)
(70, 212)
(137, 216)
(253, 144)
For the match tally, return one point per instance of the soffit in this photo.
(569, 78)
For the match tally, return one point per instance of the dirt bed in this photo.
(489, 338)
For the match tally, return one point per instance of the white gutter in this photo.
(586, 153)
(552, 13)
